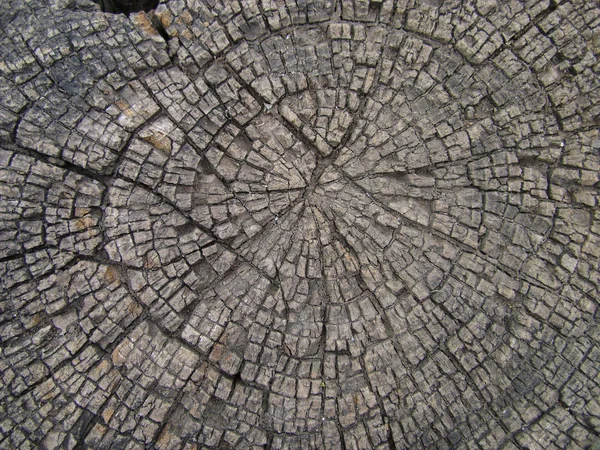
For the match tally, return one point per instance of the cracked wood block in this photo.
(332, 224)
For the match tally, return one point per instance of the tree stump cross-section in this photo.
(285, 224)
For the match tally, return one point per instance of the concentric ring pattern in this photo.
(285, 224)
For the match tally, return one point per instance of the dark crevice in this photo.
(160, 28)
(126, 6)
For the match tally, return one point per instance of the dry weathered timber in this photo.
(295, 224)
